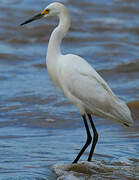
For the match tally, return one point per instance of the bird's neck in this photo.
(58, 34)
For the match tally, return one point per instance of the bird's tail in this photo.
(121, 112)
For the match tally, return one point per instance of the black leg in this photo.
(95, 138)
(88, 141)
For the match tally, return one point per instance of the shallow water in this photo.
(38, 129)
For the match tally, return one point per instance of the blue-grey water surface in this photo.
(38, 129)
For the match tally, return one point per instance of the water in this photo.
(39, 130)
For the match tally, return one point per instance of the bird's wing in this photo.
(79, 79)
(77, 69)
(96, 77)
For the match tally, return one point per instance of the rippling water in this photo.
(39, 130)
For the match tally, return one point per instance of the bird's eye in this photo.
(46, 11)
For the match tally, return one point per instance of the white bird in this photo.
(79, 81)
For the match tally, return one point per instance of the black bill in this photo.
(38, 16)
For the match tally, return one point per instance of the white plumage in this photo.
(88, 91)
(83, 86)
(80, 83)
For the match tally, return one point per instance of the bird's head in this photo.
(54, 9)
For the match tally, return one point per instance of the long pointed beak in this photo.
(38, 16)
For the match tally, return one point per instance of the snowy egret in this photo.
(78, 80)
